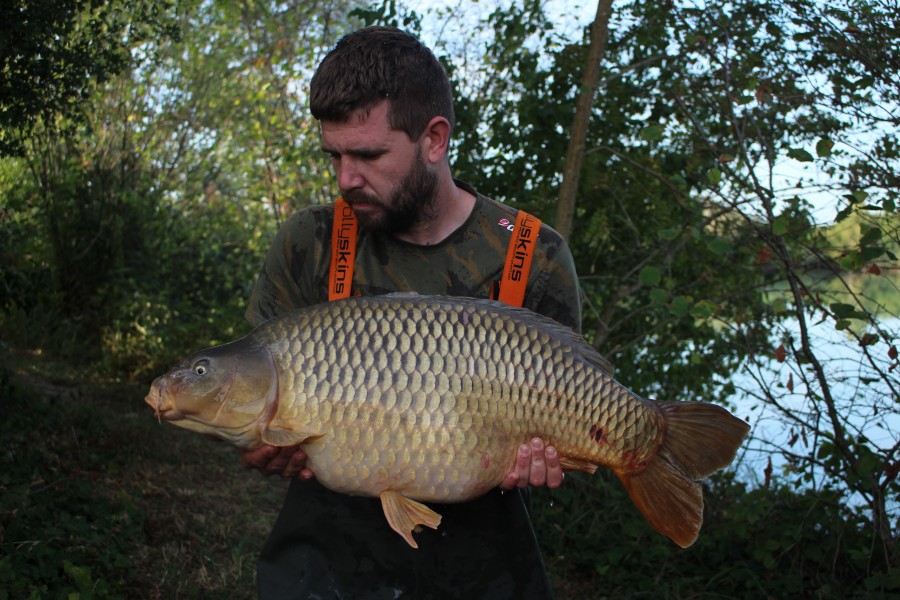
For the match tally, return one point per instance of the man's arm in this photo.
(277, 291)
(287, 461)
(553, 292)
(287, 280)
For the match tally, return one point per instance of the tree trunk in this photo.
(565, 207)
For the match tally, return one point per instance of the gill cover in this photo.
(222, 391)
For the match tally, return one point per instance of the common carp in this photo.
(414, 399)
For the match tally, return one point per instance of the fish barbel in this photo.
(424, 398)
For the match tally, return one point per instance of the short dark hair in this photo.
(382, 63)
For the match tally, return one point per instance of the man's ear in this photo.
(435, 140)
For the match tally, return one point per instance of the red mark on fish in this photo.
(596, 433)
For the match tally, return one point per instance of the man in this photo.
(386, 114)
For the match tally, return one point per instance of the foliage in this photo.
(54, 52)
(705, 123)
(773, 542)
(781, 90)
(153, 210)
(118, 255)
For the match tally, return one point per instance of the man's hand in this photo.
(535, 465)
(288, 461)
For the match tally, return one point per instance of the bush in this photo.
(755, 542)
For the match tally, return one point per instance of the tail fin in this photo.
(700, 439)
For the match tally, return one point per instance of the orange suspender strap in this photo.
(518, 259)
(343, 251)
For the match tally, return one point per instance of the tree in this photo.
(54, 52)
(189, 157)
(565, 206)
(783, 79)
(714, 265)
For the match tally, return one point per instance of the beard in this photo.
(411, 204)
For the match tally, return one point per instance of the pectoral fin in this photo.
(283, 436)
(405, 515)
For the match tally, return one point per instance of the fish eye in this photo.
(201, 367)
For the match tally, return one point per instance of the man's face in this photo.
(381, 173)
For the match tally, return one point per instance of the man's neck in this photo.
(452, 206)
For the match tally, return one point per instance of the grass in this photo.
(98, 500)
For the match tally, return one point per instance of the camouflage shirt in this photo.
(329, 545)
(466, 263)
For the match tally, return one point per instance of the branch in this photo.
(565, 208)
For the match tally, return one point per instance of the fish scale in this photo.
(418, 398)
(505, 403)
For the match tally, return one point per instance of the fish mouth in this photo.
(162, 406)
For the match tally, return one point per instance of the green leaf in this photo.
(800, 154)
(780, 225)
(652, 133)
(704, 309)
(846, 311)
(650, 276)
(714, 176)
(669, 234)
(658, 296)
(718, 246)
(826, 450)
(870, 253)
(870, 235)
(843, 213)
(841, 310)
(851, 262)
(680, 305)
(823, 147)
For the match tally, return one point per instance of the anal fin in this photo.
(405, 515)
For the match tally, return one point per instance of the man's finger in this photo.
(258, 458)
(538, 470)
(520, 469)
(523, 466)
(295, 464)
(555, 473)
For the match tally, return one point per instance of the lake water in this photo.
(783, 401)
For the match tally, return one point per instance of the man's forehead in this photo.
(363, 129)
(377, 112)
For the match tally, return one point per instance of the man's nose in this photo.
(348, 174)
